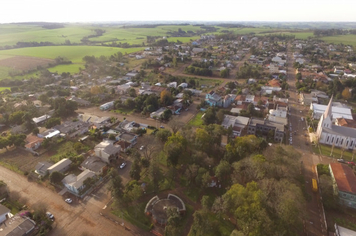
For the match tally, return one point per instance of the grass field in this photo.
(11, 34)
(4, 88)
(345, 39)
(326, 150)
(197, 121)
(298, 35)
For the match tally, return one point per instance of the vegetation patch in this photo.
(197, 121)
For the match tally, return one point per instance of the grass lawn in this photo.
(197, 121)
(192, 193)
(123, 111)
(135, 215)
(326, 150)
(71, 68)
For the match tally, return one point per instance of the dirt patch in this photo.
(25, 63)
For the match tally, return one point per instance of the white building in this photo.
(107, 106)
(330, 134)
(337, 112)
(237, 123)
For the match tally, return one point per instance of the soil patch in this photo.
(24, 63)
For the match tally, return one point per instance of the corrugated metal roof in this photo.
(344, 177)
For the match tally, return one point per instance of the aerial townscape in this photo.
(185, 128)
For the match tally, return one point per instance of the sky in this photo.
(174, 10)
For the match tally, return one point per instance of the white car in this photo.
(142, 147)
(50, 216)
(122, 166)
(68, 200)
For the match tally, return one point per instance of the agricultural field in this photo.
(11, 34)
(298, 35)
(5, 88)
(35, 56)
(337, 39)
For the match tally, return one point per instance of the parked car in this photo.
(162, 127)
(122, 166)
(351, 163)
(341, 160)
(50, 216)
(68, 200)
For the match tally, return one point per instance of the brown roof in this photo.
(346, 122)
(123, 144)
(344, 177)
(240, 98)
(274, 83)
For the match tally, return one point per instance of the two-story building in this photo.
(344, 183)
(263, 127)
(213, 99)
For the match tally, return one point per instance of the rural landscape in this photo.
(192, 129)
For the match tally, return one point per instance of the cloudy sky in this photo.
(170, 10)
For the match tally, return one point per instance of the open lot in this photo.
(337, 39)
(24, 62)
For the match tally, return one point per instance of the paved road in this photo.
(80, 218)
(314, 220)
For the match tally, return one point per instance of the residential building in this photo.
(73, 128)
(81, 102)
(213, 99)
(42, 168)
(157, 114)
(75, 184)
(33, 142)
(330, 134)
(60, 166)
(124, 145)
(94, 164)
(3, 213)
(18, 226)
(266, 128)
(128, 137)
(228, 100)
(49, 133)
(344, 183)
(341, 231)
(40, 120)
(107, 106)
(237, 123)
(345, 122)
(107, 151)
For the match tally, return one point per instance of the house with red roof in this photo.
(344, 183)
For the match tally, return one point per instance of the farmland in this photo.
(73, 53)
(337, 39)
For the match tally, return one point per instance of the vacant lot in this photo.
(24, 63)
(197, 121)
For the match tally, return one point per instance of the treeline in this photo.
(248, 71)
(234, 26)
(98, 32)
(53, 26)
(198, 71)
(150, 26)
(331, 32)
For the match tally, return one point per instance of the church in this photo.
(331, 134)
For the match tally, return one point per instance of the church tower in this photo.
(325, 119)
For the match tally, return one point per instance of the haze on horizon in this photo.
(182, 10)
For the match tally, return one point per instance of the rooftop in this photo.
(93, 163)
(18, 226)
(344, 177)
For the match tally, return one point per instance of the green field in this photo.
(73, 53)
(11, 34)
(4, 88)
(298, 35)
(197, 121)
(345, 39)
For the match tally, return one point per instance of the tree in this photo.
(163, 135)
(155, 175)
(17, 139)
(112, 137)
(223, 170)
(173, 222)
(174, 62)
(166, 98)
(135, 172)
(78, 147)
(224, 73)
(175, 125)
(35, 131)
(346, 93)
(167, 114)
(53, 121)
(116, 187)
(56, 177)
(132, 92)
(210, 116)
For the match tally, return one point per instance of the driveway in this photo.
(79, 218)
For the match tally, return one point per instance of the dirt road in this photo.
(79, 218)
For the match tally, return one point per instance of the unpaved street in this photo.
(79, 218)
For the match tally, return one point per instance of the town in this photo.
(222, 134)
